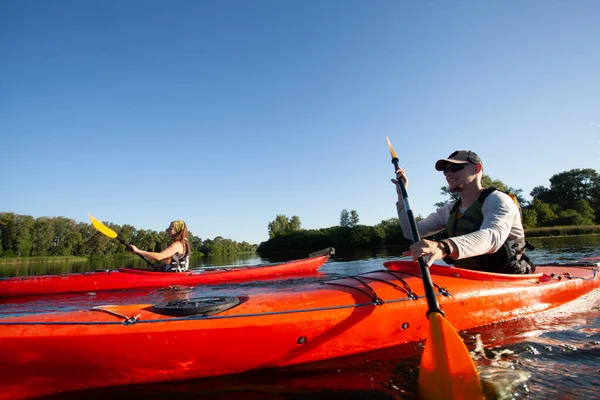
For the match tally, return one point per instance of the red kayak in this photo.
(597, 258)
(204, 337)
(125, 278)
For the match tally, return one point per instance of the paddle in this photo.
(447, 370)
(106, 231)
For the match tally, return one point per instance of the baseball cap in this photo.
(458, 157)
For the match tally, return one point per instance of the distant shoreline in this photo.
(535, 233)
(56, 259)
(559, 231)
(41, 259)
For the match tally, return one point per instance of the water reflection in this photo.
(68, 267)
(565, 248)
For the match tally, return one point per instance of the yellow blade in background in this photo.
(103, 229)
(447, 370)
(391, 149)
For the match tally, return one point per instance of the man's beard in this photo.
(456, 189)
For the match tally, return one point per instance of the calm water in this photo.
(555, 355)
(47, 268)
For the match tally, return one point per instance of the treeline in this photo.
(573, 198)
(570, 206)
(349, 234)
(25, 236)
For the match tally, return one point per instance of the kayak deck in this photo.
(113, 345)
(125, 278)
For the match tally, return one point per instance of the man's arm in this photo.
(433, 223)
(499, 216)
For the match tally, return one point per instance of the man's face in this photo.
(458, 175)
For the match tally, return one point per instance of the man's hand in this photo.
(429, 249)
(400, 175)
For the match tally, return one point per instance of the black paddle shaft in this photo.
(128, 247)
(432, 303)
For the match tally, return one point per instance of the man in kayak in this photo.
(484, 225)
(176, 257)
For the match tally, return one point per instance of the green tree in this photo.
(541, 193)
(66, 236)
(278, 226)
(21, 230)
(92, 242)
(529, 218)
(353, 218)
(569, 187)
(42, 237)
(545, 215)
(221, 246)
(6, 221)
(195, 244)
(16, 232)
(364, 236)
(294, 224)
(98, 244)
(584, 208)
(282, 225)
(569, 217)
(345, 218)
(147, 239)
(127, 233)
(22, 235)
(164, 240)
(391, 228)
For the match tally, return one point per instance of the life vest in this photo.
(178, 262)
(510, 257)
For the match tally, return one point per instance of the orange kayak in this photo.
(125, 278)
(117, 345)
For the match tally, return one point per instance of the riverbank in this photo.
(41, 259)
(551, 231)
(559, 231)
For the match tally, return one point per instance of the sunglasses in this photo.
(454, 168)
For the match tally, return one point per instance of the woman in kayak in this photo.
(176, 257)
(484, 226)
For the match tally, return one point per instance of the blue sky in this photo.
(227, 113)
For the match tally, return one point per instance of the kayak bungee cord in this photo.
(375, 301)
(371, 293)
(569, 276)
(203, 317)
(126, 320)
(441, 290)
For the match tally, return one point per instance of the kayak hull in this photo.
(126, 278)
(50, 353)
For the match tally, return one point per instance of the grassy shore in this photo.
(563, 231)
(41, 259)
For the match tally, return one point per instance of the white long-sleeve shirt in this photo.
(501, 221)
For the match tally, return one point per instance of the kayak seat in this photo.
(196, 306)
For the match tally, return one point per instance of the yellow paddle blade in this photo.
(391, 149)
(447, 370)
(103, 229)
